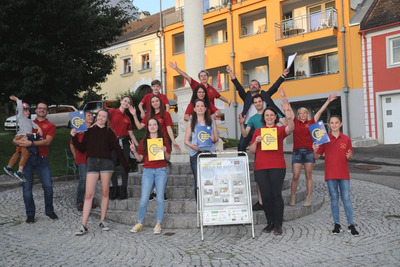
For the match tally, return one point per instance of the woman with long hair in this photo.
(122, 126)
(154, 173)
(270, 166)
(163, 117)
(200, 117)
(99, 141)
(200, 92)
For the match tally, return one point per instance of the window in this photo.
(179, 82)
(324, 64)
(126, 67)
(257, 69)
(145, 62)
(254, 22)
(321, 16)
(215, 33)
(219, 81)
(179, 44)
(393, 51)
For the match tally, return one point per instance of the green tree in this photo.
(51, 49)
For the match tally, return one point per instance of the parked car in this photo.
(95, 106)
(57, 114)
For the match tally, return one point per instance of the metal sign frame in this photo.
(232, 188)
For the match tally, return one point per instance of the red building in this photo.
(380, 30)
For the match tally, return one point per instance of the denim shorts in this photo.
(302, 155)
(98, 165)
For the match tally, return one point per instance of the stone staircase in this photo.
(180, 208)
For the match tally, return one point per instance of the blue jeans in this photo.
(41, 165)
(157, 176)
(80, 193)
(344, 186)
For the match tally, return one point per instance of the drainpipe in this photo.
(235, 104)
(345, 87)
(367, 82)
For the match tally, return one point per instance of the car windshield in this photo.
(93, 105)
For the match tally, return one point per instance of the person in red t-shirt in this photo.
(156, 87)
(337, 154)
(154, 173)
(203, 77)
(200, 92)
(122, 126)
(39, 163)
(303, 152)
(81, 162)
(270, 166)
(163, 117)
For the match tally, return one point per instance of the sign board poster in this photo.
(77, 120)
(269, 139)
(225, 194)
(318, 133)
(154, 149)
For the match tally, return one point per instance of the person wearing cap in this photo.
(25, 126)
(203, 77)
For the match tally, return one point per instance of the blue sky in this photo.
(153, 6)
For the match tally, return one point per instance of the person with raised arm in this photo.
(200, 92)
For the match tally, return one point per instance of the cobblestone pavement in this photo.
(306, 241)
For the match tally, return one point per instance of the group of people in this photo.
(109, 140)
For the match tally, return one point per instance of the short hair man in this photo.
(156, 87)
(40, 164)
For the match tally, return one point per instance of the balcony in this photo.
(308, 23)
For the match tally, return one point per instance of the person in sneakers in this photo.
(156, 87)
(154, 173)
(40, 164)
(25, 127)
(98, 142)
(270, 166)
(81, 162)
(337, 154)
(303, 151)
(122, 126)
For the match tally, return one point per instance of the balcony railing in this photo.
(306, 23)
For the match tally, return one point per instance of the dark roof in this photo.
(140, 28)
(381, 13)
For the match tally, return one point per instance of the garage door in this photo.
(391, 118)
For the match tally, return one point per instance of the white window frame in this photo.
(123, 59)
(141, 61)
(389, 51)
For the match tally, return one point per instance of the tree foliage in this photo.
(51, 49)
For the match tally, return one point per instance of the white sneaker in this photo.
(157, 229)
(104, 226)
(81, 230)
(138, 227)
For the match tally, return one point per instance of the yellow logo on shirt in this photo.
(203, 136)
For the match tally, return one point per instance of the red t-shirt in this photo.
(211, 110)
(120, 122)
(156, 163)
(146, 100)
(211, 92)
(301, 134)
(79, 156)
(270, 159)
(336, 164)
(164, 122)
(49, 129)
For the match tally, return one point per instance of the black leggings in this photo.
(124, 175)
(270, 182)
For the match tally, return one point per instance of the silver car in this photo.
(59, 115)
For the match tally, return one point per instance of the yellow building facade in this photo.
(256, 37)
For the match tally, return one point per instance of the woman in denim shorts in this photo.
(99, 141)
(154, 173)
(303, 150)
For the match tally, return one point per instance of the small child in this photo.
(337, 152)
(25, 130)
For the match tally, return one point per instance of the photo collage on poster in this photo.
(224, 183)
